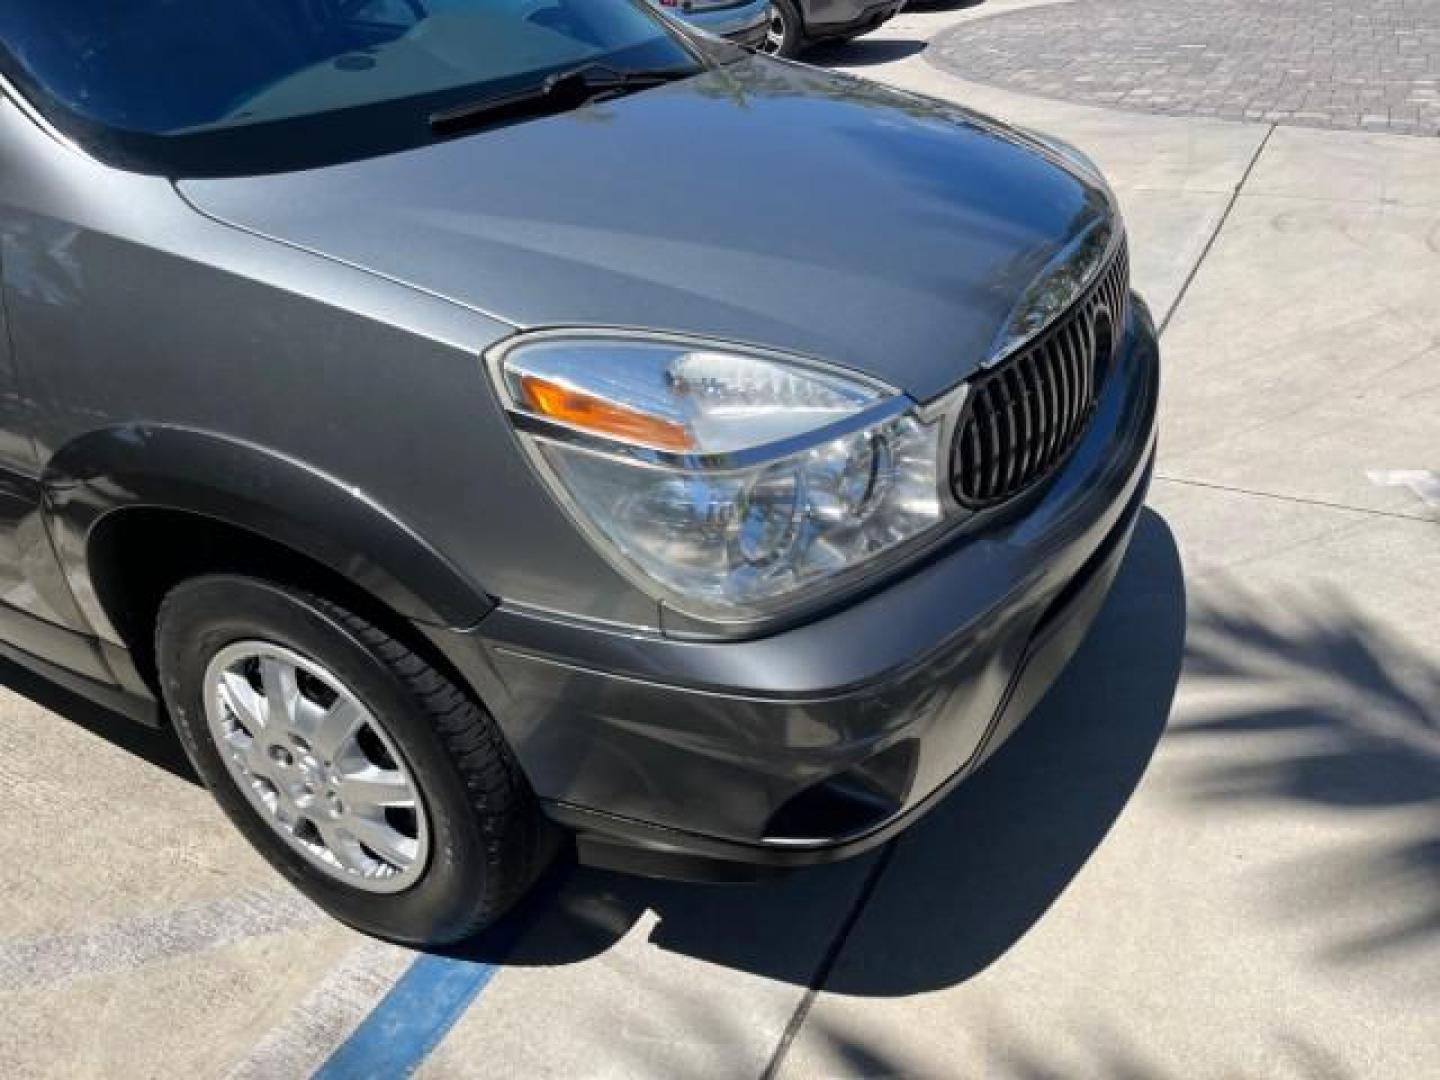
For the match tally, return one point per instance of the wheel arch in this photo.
(97, 486)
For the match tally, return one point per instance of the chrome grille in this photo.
(1022, 418)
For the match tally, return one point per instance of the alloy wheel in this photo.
(317, 765)
(775, 34)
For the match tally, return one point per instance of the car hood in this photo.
(763, 202)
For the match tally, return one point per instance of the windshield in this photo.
(186, 87)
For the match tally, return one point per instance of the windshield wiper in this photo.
(557, 92)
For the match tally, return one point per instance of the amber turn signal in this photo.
(594, 414)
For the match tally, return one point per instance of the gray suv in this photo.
(412, 402)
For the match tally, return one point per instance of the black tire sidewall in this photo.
(794, 28)
(203, 616)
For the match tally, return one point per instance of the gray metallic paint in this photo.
(642, 846)
(302, 357)
(175, 321)
(820, 214)
(202, 473)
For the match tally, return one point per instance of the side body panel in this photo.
(171, 360)
(38, 616)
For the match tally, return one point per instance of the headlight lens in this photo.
(725, 481)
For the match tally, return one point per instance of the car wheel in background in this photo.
(369, 779)
(787, 33)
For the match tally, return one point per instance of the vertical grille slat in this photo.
(1022, 418)
(992, 443)
(1044, 364)
(1085, 336)
(970, 433)
(979, 412)
(1066, 370)
(1075, 339)
(1000, 400)
(1017, 426)
(1029, 417)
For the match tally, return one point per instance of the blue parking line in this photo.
(427, 1001)
(410, 1020)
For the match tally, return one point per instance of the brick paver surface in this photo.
(1361, 64)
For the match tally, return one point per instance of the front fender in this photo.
(244, 485)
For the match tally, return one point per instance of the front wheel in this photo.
(360, 771)
(786, 33)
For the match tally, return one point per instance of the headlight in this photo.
(724, 480)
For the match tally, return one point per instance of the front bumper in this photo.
(846, 18)
(713, 759)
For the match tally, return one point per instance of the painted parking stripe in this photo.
(425, 1003)
(410, 1021)
(149, 939)
(327, 1015)
(1424, 483)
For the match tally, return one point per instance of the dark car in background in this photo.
(414, 404)
(795, 24)
(745, 22)
(783, 27)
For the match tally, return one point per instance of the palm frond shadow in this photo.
(1314, 702)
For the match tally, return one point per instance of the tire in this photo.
(464, 847)
(786, 36)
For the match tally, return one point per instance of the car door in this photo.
(38, 614)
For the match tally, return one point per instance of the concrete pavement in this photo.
(1214, 850)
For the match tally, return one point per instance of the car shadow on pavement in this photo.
(963, 885)
(158, 746)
